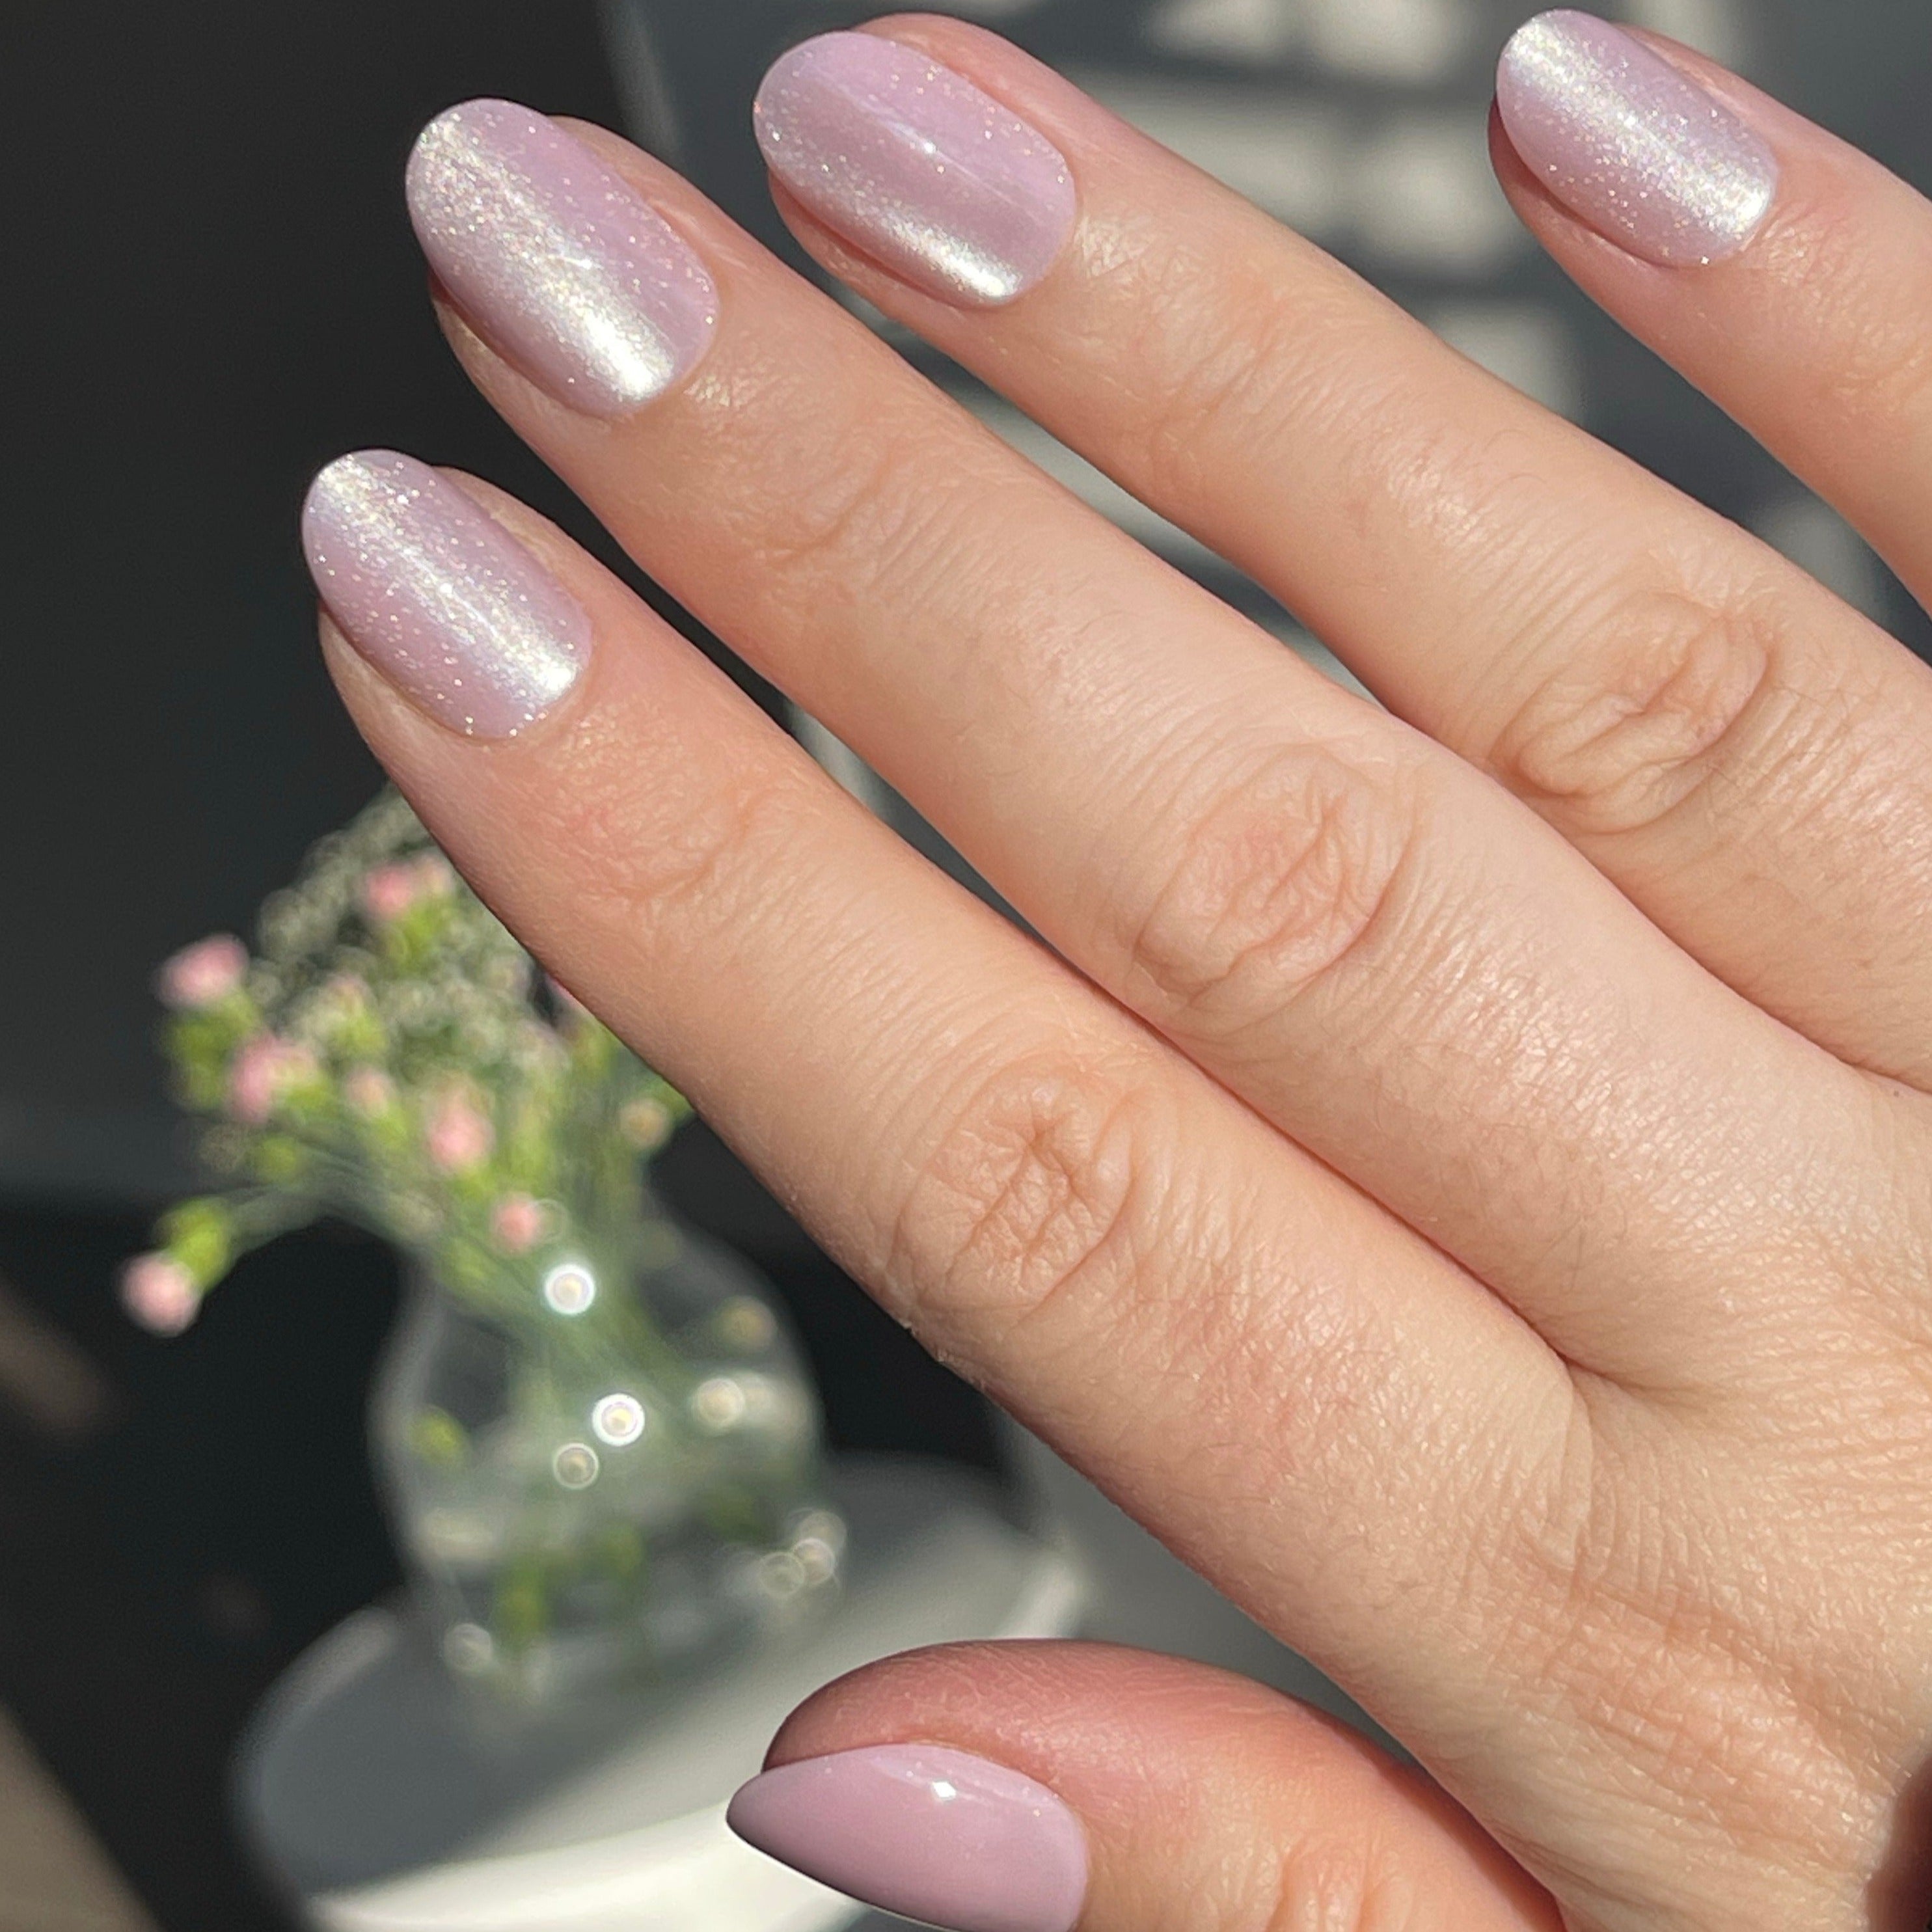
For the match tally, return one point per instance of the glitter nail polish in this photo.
(440, 597)
(914, 165)
(1632, 145)
(556, 260)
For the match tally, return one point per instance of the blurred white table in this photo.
(377, 1807)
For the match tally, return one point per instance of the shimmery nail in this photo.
(1631, 144)
(913, 164)
(440, 597)
(556, 259)
(930, 1833)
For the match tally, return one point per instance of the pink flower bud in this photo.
(159, 1293)
(435, 876)
(459, 1137)
(200, 974)
(389, 891)
(261, 1073)
(346, 993)
(369, 1090)
(645, 1124)
(517, 1223)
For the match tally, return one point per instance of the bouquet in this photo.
(389, 1054)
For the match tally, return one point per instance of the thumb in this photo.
(1041, 1787)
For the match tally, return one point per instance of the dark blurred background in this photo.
(211, 289)
(215, 290)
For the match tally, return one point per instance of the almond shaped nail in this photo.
(556, 259)
(1649, 159)
(440, 597)
(913, 164)
(926, 1831)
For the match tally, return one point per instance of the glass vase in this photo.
(601, 1462)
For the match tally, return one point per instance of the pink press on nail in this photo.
(1648, 158)
(917, 167)
(556, 259)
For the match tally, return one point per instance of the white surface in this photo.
(689, 1873)
(630, 1836)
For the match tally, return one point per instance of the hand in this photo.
(1461, 1173)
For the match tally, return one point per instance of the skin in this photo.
(1462, 1175)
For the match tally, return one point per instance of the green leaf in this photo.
(200, 1234)
(280, 1160)
(736, 1512)
(521, 1612)
(619, 1552)
(438, 1439)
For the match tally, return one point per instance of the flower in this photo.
(645, 1124)
(517, 1223)
(160, 1293)
(369, 1090)
(371, 1059)
(344, 996)
(200, 975)
(459, 1138)
(389, 891)
(435, 876)
(262, 1072)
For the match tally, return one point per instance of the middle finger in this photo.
(1371, 943)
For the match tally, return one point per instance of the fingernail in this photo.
(439, 597)
(916, 167)
(926, 1832)
(1630, 143)
(556, 260)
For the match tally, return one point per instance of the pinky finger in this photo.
(1042, 1787)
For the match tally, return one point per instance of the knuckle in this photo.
(1606, 1608)
(862, 506)
(647, 858)
(1272, 359)
(1354, 1884)
(1662, 702)
(1881, 377)
(1040, 1190)
(1712, 1730)
(1213, 383)
(1284, 875)
(1235, 375)
(1876, 380)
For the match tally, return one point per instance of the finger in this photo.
(1028, 1787)
(1812, 335)
(1055, 1202)
(1731, 745)
(1811, 330)
(1369, 942)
